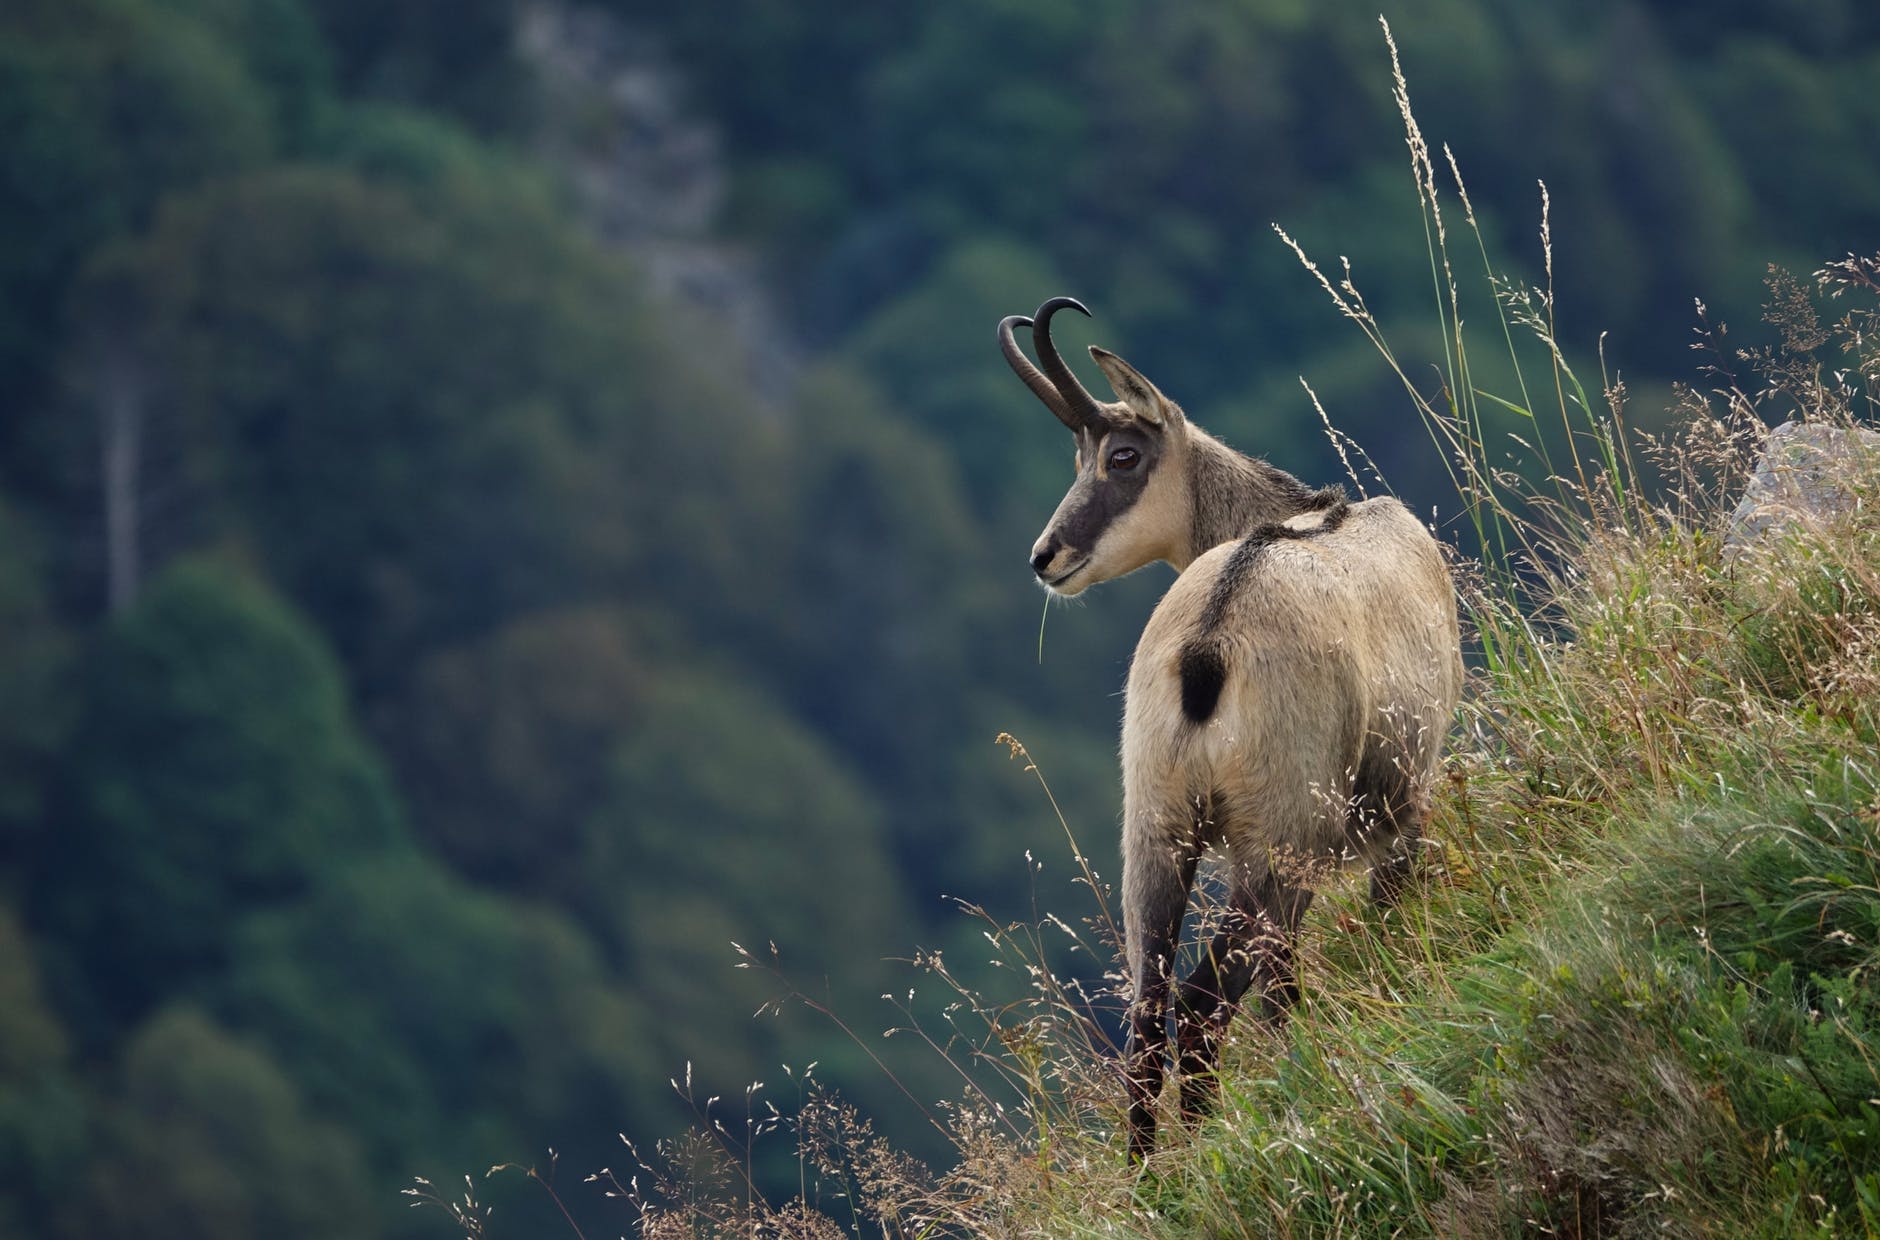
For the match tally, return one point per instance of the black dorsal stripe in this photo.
(1202, 667)
(1330, 500)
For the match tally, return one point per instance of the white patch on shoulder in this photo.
(1306, 522)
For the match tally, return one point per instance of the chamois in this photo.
(1286, 704)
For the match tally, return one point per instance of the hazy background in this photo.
(499, 500)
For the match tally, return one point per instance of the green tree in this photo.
(392, 145)
(726, 821)
(446, 1026)
(1790, 119)
(107, 105)
(519, 728)
(205, 1138)
(44, 1119)
(35, 694)
(282, 48)
(930, 350)
(453, 55)
(750, 54)
(888, 592)
(718, 799)
(215, 769)
(433, 414)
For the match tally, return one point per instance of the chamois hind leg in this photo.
(1391, 875)
(1159, 855)
(1254, 943)
(1389, 799)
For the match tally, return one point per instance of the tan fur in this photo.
(1362, 620)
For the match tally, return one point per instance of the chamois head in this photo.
(1129, 503)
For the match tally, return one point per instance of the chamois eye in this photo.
(1124, 458)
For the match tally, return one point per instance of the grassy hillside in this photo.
(1633, 992)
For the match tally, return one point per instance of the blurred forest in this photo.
(500, 499)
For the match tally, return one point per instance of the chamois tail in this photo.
(1203, 672)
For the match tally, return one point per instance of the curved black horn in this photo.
(1033, 377)
(1081, 404)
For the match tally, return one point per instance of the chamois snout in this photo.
(1055, 564)
(1043, 552)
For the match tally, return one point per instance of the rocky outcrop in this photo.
(1808, 474)
(649, 173)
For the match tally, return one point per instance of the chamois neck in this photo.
(1231, 494)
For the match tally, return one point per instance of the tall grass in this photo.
(1634, 990)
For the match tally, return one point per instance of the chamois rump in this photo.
(1286, 704)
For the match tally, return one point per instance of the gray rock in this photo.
(1806, 476)
(647, 169)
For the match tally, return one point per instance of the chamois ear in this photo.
(1137, 394)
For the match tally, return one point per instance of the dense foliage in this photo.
(430, 640)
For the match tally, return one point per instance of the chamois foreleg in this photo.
(1158, 870)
